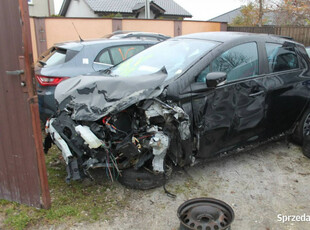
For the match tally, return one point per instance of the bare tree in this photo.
(260, 13)
(292, 12)
(252, 14)
(278, 12)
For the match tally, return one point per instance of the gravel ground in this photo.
(258, 184)
(1, 221)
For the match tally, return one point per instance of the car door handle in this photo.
(256, 93)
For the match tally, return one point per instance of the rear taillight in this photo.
(49, 81)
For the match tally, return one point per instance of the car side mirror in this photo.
(215, 78)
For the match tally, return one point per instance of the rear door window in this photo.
(104, 58)
(281, 58)
(117, 54)
(121, 53)
(308, 51)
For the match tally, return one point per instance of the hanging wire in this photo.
(108, 166)
(110, 158)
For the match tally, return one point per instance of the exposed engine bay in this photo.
(144, 135)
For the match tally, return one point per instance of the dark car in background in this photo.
(187, 99)
(70, 59)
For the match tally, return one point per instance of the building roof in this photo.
(141, 5)
(269, 17)
(228, 16)
(128, 6)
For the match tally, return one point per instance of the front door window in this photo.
(238, 62)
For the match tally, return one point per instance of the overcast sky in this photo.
(200, 9)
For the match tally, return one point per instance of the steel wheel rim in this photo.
(205, 214)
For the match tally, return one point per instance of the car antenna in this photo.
(81, 40)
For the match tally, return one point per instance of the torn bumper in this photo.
(61, 144)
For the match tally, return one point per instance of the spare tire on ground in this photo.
(141, 179)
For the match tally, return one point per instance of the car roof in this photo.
(224, 36)
(78, 45)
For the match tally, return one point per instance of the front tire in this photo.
(306, 146)
(141, 179)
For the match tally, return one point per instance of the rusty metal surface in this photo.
(33, 103)
(19, 168)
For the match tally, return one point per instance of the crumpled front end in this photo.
(139, 137)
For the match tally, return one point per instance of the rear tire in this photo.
(141, 179)
(306, 146)
(303, 128)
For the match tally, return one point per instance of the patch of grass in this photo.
(184, 188)
(17, 220)
(4, 202)
(60, 213)
(71, 203)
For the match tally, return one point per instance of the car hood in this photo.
(92, 97)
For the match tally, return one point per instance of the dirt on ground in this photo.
(1, 221)
(259, 185)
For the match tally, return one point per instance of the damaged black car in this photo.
(187, 99)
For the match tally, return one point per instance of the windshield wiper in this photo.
(107, 71)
